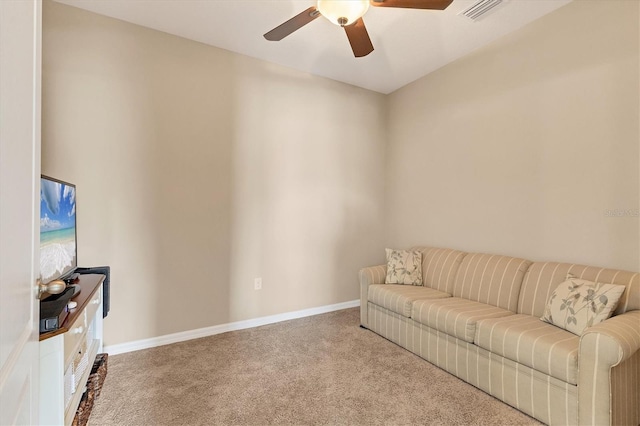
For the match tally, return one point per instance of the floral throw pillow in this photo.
(577, 304)
(404, 267)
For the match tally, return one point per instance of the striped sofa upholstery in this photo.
(400, 298)
(543, 277)
(491, 279)
(440, 267)
(477, 316)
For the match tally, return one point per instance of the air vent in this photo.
(480, 9)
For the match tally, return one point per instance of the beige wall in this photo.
(199, 169)
(522, 147)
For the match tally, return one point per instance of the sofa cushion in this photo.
(529, 341)
(404, 267)
(490, 279)
(439, 267)
(543, 277)
(454, 316)
(399, 298)
(577, 304)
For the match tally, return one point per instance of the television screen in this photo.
(57, 229)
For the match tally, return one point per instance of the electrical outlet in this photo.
(257, 283)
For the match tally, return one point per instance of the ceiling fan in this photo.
(348, 14)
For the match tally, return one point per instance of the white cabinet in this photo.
(67, 355)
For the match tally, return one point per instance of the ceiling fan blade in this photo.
(413, 4)
(359, 38)
(293, 24)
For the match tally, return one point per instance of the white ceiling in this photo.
(408, 43)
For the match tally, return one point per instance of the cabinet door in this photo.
(20, 30)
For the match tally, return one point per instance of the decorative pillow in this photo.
(404, 267)
(577, 304)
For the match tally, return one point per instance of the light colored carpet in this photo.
(320, 370)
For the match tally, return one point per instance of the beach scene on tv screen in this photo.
(57, 229)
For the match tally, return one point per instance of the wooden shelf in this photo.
(89, 283)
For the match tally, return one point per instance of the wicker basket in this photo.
(94, 385)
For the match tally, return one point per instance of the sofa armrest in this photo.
(373, 275)
(602, 347)
(615, 339)
(368, 276)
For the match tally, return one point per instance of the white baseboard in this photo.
(223, 328)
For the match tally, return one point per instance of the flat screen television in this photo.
(58, 248)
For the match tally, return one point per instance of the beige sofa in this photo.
(477, 316)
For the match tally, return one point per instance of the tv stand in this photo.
(67, 354)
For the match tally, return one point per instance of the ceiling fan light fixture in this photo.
(343, 12)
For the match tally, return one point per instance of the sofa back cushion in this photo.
(491, 279)
(542, 278)
(439, 267)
